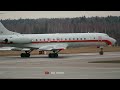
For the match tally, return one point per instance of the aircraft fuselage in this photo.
(71, 39)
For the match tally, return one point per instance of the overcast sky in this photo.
(54, 14)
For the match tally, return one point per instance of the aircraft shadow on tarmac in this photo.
(46, 57)
(38, 57)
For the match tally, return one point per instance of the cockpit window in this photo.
(106, 35)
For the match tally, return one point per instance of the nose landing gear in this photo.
(101, 51)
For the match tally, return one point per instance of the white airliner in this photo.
(51, 42)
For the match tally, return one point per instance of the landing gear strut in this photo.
(101, 51)
(54, 54)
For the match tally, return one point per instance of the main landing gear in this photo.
(51, 55)
(26, 54)
(54, 54)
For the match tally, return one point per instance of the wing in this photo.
(46, 47)
(5, 48)
(14, 49)
(53, 47)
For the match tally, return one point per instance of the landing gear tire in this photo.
(53, 55)
(25, 55)
(101, 52)
(50, 55)
(56, 55)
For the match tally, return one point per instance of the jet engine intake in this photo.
(20, 40)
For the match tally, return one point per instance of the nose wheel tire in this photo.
(101, 52)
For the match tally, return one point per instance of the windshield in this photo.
(106, 35)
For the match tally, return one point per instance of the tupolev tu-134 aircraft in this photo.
(51, 42)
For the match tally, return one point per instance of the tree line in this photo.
(109, 25)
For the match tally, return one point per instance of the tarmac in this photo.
(66, 66)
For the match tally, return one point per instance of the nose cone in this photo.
(113, 41)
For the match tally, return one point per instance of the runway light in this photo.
(52, 72)
(57, 73)
(46, 72)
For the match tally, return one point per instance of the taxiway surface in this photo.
(67, 66)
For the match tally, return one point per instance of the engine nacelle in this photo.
(17, 40)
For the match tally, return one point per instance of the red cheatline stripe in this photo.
(106, 41)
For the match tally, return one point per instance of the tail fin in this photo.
(4, 31)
